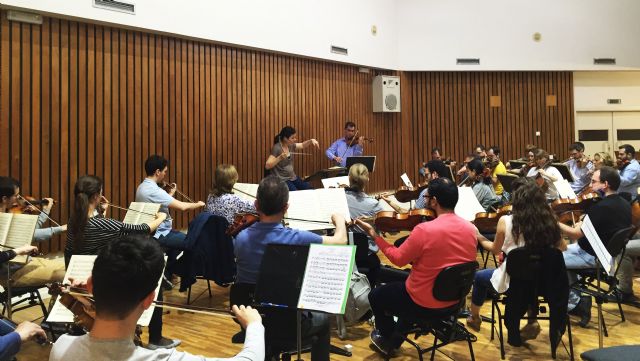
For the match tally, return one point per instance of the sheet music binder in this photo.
(564, 170)
(506, 180)
(368, 161)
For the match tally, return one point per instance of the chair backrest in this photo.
(361, 241)
(453, 283)
(524, 264)
(618, 241)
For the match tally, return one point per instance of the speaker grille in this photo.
(391, 101)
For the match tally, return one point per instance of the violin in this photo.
(170, 187)
(567, 209)
(390, 221)
(622, 163)
(487, 222)
(240, 222)
(27, 205)
(406, 194)
(356, 140)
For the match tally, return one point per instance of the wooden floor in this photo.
(210, 336)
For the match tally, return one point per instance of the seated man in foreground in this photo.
(446, 241)
(123, 282)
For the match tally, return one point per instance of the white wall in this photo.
(592, 89)
(303, 27)
(412, 34)
(432, 34)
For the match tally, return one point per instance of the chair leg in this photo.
(42, 306)
(209, 286)
(494, 304)
(501, 335)
(473, 357)
(188, 296)
(570, 338)
(604, 324)
(433, 350)
(619, 306)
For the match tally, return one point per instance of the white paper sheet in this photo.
(596, 243)
(316, 205)
(141, 212)
(406, 180)
(80, 267)
(326, 278)
(247, 191)
(468, 205)
(564, 189)
(335, 182)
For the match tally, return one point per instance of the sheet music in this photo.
(327, 277)
(5, 224)
(598, 247)
(134, 215)
(80, 267)
(335, 182)
(241, 188)
(468, 205)
(564, 189)
(406, 180)
(317, 205)
(21, 233)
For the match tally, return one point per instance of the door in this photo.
(626, 130)
(595, 129)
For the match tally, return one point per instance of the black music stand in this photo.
(280, 282)
(316, 178)
(507, 181)
(517, 164)
(368, 160)
(564, 170)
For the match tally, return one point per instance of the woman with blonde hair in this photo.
(221, 200)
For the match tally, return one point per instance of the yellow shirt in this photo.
(499, 169)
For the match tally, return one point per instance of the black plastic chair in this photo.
(525, 267)
(453, 283)
(591, 279)
(616, 353)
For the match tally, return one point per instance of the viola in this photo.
(406, 194)
(240, 222)
(622, 163)
(170, 187)
(568, 209)
(487, 222)
(390, 221)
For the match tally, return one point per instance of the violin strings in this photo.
(41, 211)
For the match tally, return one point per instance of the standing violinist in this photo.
(493, 158)
(221, 200)
(629, 171)
(545, 174)
(581, 167)
(36, 273)
(348, 146)
(280, 162)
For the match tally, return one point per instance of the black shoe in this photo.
(584, 311)
(166, 284)
(380, 344)
(627, 298)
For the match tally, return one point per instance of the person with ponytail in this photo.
(482, 187)
(280, 162)
(90, 231)
(532, 224)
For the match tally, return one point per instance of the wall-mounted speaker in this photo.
(386, 94)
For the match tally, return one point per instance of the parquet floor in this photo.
(210, 335)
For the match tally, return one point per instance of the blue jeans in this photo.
(173, 244)
(481, 285)
(9, 346)
(576, 258)
(298, 185)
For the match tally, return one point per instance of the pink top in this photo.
(447, 240)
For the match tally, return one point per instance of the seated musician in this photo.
(251, 243)
(528, 157)
(601, 159)
(609, 215)
(530, 215)
(545, 173)
(434, 169)
(580, 166)
(280, 161)
(436, 154)
(481, 185)
(221, 200)
(90, 231)
(348, 146)
(12, 337)
(123, 282)
(33, 273)
(629, 172)
(447, 240)
(462, 172)
(497, 167)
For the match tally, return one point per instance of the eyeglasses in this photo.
(595, 181)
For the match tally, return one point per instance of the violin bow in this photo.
(130, 209)
(351, 142)
(39, 210)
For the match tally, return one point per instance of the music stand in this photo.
(564, 170)
(507, 181)
(316, 178)
(368, 160)
(517, 164)
(280, 282)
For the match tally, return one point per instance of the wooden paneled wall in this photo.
(80, 98)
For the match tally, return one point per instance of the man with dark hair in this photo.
(608, 216)
(480, 151)
(123, 282)
(581, 168)
(436, 154)
(434, 169)
(493, 159)
(446, 241)
(156, 168)
(629, 171)
(250, 244)
(348, 146)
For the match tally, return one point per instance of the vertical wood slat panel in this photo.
(103, 99)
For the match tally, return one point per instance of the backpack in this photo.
(357, 299)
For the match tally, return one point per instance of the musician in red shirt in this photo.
(448, 240)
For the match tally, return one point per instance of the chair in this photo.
(616, 353)
(534, 274)
(31, 300)
(208, 254)
(592, 278)
(453, 283)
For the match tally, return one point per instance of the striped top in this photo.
(99, 231)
